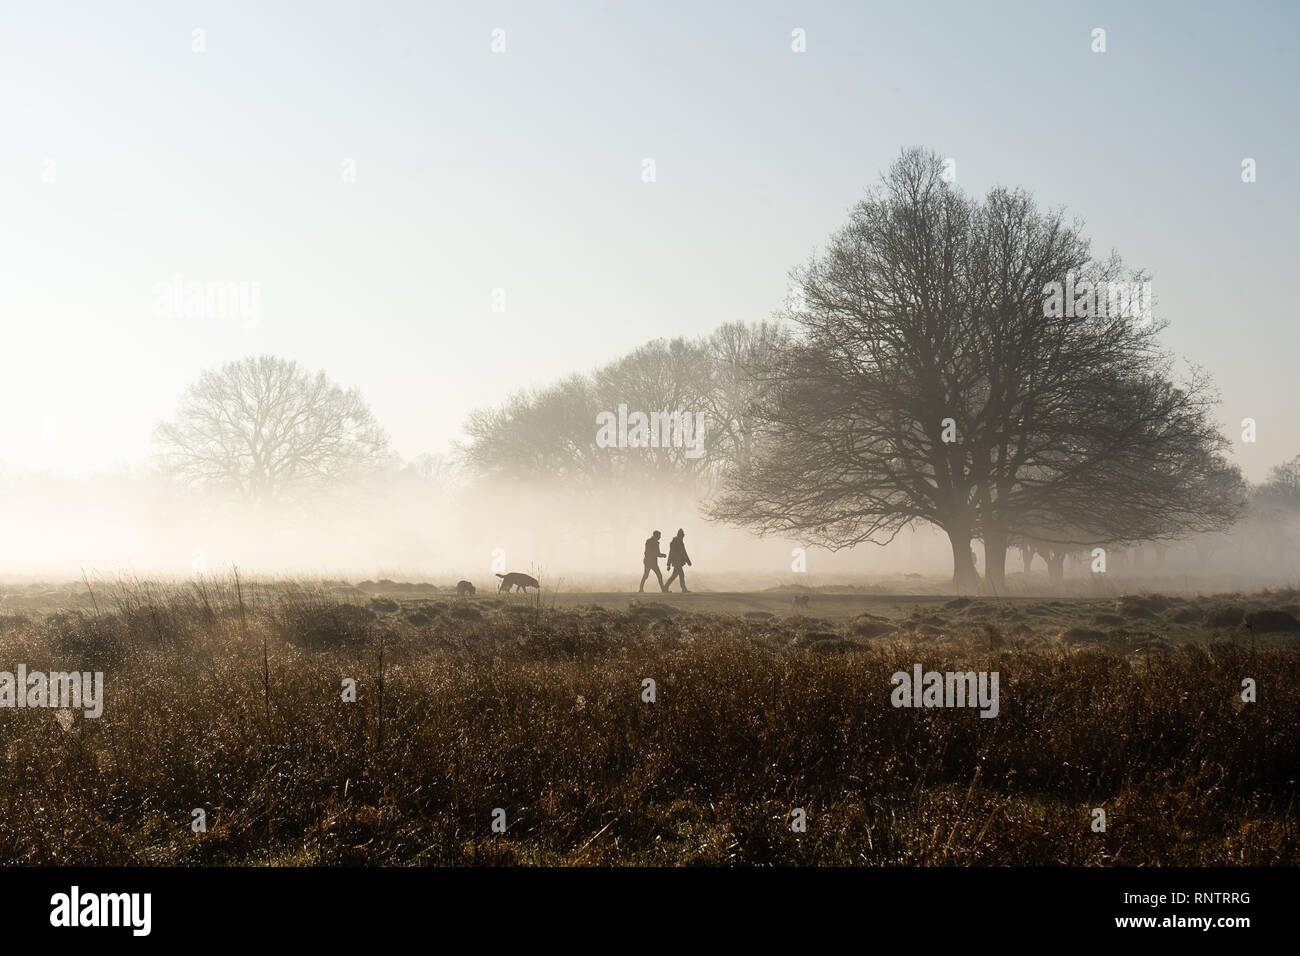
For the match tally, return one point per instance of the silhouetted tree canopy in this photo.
(269, 430)
(1282, 488)
(928, 383)
(550, 434)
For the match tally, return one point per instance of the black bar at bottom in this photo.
(332, 906)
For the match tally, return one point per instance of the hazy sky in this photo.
(127, 159)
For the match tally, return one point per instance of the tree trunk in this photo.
(1027, 556)
(965, 580)
(995, 560)
(1055, 566)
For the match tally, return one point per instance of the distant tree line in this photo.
(549, 434)
(917, 376)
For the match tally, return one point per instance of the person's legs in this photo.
(681, 574)
(645, 575)
(677, 572)
(655, 569)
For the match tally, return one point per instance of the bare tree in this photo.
(740, 360)
(1282, 489)
(269, 430)
(1273, 518)
(930, 385)
(544, 434)
(851, 447)
(550, 434)
(659, 376)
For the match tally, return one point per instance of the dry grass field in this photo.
(229, 699)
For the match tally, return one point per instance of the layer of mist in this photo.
(402, 528)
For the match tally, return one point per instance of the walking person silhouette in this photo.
(677, 560)
(651, 561)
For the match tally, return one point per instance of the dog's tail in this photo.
(502, 576)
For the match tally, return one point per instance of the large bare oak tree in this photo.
(929, 384)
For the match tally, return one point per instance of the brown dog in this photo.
(515, 579)
(464, 587)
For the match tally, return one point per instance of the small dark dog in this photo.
(464, 587)
(517, 580)
(801, 600)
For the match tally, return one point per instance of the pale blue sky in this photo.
(522, 171)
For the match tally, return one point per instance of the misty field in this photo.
(231, 701)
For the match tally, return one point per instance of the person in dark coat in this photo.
(677, 560)
(651, 561)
